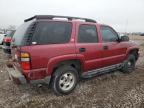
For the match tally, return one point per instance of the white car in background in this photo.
(1, 38)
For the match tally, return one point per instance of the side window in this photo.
(108, 34)
(87, 34)
(52, 32)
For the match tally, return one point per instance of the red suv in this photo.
(60, 50)
(7, 41)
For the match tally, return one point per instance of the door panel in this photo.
(114, 53)
(92, 55)
(89, 46)
(113, 50)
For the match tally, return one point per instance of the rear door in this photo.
(88, 46)
(113, 50)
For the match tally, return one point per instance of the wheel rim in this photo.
(67, 81)
(130, 64)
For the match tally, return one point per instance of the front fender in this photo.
(131, 49)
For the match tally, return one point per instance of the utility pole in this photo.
(126, 26)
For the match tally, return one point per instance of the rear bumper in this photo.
(18, 78)
(6, 49)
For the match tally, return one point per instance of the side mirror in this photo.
(124, 38)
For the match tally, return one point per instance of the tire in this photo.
(64, 80)
(129, 64)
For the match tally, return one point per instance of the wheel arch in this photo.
(73, 61)
(133, 51)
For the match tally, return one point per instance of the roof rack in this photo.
(55, 16)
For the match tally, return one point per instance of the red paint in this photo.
(7, 39)
(43, 58)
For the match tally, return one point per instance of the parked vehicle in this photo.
(60, 52)
(1, 38)
(142, 34)
(7, 41)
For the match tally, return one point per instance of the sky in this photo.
(122, 15)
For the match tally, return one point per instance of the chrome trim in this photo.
(25, 59)
(34, 43)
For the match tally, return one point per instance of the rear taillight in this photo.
(25, 60)
(7, 39)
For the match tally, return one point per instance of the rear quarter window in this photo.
(20, 34)
(52, 32)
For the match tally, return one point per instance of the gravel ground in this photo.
(114, 90)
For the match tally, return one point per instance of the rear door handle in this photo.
(82, 50)
(105, 47)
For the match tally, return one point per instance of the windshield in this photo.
(20, 34)
(10, 33)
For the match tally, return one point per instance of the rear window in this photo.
(20, 34)
(52, 32)
(10, 33)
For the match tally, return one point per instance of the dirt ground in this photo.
(114, 90)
